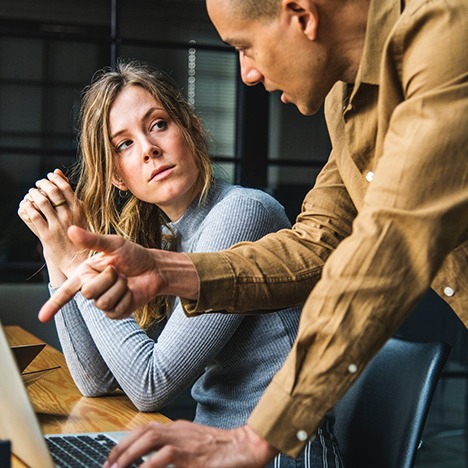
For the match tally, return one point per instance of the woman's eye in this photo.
(159, 125)
(124, 145)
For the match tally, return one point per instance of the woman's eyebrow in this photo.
(145, 116)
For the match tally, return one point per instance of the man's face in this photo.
(277, 54)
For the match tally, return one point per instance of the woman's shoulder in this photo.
(232, 193)
(246, 205)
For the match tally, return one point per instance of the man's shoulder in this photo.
(412, 7)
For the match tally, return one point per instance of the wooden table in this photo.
(61, 408)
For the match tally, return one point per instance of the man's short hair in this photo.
(257, 9)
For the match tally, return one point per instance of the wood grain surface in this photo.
(60, 407)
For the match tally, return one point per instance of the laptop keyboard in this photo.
(81, 451)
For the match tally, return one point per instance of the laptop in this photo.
(19, 424)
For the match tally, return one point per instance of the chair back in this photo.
(380, 420)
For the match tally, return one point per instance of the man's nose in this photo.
(249, 73)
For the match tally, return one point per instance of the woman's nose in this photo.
(150, 151)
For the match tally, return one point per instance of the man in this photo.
(387, 218)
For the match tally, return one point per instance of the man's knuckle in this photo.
(87, 291)
(104, 304)
(171, 451)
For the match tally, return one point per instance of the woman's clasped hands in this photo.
(49, 209)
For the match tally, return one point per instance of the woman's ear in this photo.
(119, 183)
(302, 13)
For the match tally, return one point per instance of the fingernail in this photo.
(106, 464)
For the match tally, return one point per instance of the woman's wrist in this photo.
(56, 276)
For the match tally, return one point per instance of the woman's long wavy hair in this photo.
(105, 209)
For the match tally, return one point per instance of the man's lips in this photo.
(283, 97)
(160, 173)
(282, 94)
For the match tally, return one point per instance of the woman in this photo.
(145, 174)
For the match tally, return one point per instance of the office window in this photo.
(46, 58)
(49, 51)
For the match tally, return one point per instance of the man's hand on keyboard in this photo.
(185, 444)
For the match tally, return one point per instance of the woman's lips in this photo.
(161, 173)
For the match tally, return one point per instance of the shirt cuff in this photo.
(285, 423)
(217, 284)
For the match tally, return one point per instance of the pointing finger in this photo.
(97, 242)
(63, 295)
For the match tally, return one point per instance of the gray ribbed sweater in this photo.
(231, 358)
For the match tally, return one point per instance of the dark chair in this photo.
(380, 420)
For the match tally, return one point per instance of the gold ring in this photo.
(60, 203)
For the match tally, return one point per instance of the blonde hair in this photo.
(105, 209)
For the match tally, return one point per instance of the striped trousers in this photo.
(320, 452)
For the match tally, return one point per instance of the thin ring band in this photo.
(60, 203)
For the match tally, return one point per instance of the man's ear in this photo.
(303, 14)
(119, 183)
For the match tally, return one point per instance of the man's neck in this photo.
(351, 21)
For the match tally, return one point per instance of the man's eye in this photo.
(243, 52)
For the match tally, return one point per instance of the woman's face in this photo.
(153, 159)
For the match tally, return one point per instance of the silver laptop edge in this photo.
(18, 421)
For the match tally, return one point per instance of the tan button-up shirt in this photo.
(387, 218)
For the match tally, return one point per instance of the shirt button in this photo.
(448, 291)
(352, 368)
(370, 176)
(301, 435)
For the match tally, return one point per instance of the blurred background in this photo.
(50, 49)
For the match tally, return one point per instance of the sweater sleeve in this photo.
(153, 372)
(89, 371)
